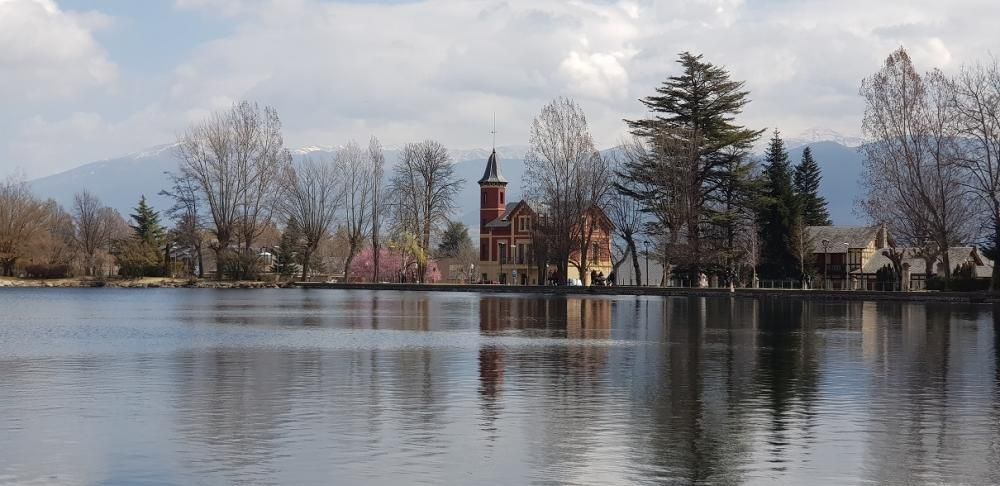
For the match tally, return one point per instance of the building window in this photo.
(484, 250)
(484, 198)
(854, 259)
(502, 249)
(595, 253)
(520, 254)
(501, 197)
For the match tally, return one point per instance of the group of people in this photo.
(597, 279)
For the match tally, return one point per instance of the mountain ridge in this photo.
(121, 181)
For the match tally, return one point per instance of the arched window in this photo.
(501, 197)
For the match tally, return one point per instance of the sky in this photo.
(86, 80)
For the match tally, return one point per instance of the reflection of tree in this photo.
(788, 375)
(925, 388)
(490, 381)
(233, 407)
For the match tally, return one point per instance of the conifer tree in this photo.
(778, 213)
(147, 226)
(807, 179)
(288, 255)
(690, 147)
(452, 240)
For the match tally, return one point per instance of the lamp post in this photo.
(826, 261)
(645, 243)
(843, 264)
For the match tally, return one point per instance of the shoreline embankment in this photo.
(830, 295)
(922, 296)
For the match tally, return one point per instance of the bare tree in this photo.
(311, 199)
(626, 214)
(424, 187)
(356, 173)
(94, 228)
(22, 218)
(977, 100)
(570, 179)
(188, 220)
(376, 160)
(236, 158)
(913, 178)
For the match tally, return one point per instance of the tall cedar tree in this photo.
(147, 225)
(807, 179)
(778, 213)
(692, 147)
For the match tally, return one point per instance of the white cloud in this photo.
(440, 69)
(46, 53)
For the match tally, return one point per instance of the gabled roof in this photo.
(504, 220)
(492, 174)
(836, 236)
(957, 255)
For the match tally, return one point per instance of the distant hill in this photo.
(120, 182)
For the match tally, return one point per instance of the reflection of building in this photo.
(579, 318)
(588, 318)
(506, 236)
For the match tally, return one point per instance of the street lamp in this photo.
(645, 243)
(826, 261)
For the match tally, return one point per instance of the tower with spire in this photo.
(492, 192)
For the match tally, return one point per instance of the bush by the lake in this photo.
(43, 270)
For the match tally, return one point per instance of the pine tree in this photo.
(452, 240)
(147, 226)
(778, 213)
(287, 260)
(807, 179)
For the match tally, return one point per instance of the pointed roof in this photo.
(492, 174)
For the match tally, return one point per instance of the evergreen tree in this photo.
(688, 151)
(807, 179)
(455, 236)
(778, 213)
(147, 226)
(288, 254)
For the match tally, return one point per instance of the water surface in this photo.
(179, 386)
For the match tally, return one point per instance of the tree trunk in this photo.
(306, 255)
(201, 262)
(995, 277)
(635, 261)
(375, 261)
(351, 251)
(218, 262)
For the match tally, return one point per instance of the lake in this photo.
(194, 386)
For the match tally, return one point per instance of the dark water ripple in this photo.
(163, 387)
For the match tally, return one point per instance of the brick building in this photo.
(506, 236)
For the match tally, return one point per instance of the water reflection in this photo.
(374, 388)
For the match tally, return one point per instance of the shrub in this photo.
(140, 259)
(43, 270)
(241, 265)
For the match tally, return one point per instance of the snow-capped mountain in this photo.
(814, 135)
